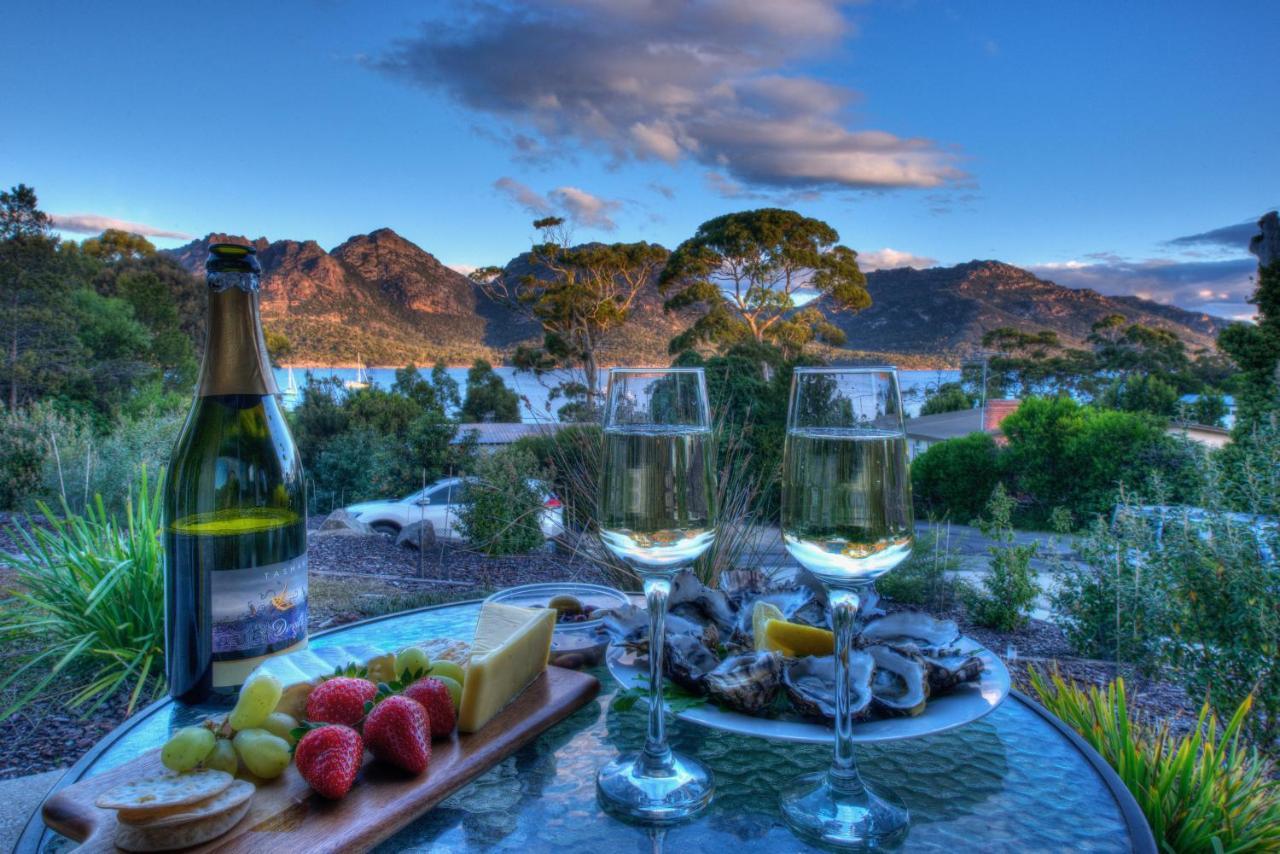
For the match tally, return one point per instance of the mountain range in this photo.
(383, 300)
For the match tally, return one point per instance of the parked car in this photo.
(439, 504)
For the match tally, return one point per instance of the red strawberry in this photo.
(398, 731)
(340, 700)
(434, 697)
(328, 758)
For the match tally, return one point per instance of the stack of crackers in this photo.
(171, 811)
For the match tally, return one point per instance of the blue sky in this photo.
(1079, 139)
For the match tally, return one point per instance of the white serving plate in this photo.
(964, 704)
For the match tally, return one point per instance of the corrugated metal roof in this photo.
(504, 434)
(945, 425)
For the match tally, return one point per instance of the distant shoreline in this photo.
(911, 365)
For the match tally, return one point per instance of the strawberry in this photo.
(398, 731)
(328, 758)
(434, 697)
(340, 700)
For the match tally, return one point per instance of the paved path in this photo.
(19, 797)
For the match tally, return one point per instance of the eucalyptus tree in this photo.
(579, 295)
(766, 276)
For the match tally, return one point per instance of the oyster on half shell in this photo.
(900, 685)
(811, 685)
(746, 683)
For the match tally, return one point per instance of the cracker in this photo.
(229, 798)
(184, 835)
(165, 790)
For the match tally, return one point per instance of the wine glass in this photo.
(846, 518)
(657, 513)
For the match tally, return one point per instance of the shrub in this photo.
(952, 479)
(922, 580)
(1202, 792)
(1107, 602)
(501, 512)
(1061, 453)
(22, 454)
(90, 594)
(1009, 589)
(1193, 589)
(949, 397)
(488, 398)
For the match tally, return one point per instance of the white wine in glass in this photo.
(846, 518)
(657, 513)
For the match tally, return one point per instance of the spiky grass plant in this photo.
(1206, 791)
(89, 595)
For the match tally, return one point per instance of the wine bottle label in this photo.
(256, 613)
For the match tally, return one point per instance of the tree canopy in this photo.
(748, 271)
(1256, 349)
(579, 295)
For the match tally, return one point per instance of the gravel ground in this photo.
(355, 577)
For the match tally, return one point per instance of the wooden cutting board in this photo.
(286, 815)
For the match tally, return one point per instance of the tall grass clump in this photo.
(1206, 791)
(924, 580)
(89, 596)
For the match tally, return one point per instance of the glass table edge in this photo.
(1140, 835)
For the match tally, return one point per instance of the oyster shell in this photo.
(811, 685)
(936, 642)
(686, 661)
(746, 683)
(900, 685)
(914, 632)
(694, 601)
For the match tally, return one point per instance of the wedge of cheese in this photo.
(301, 671)
(509, 651)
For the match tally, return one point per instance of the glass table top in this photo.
(1012, 781)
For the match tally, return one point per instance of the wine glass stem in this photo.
(843, 776)
(656, 758)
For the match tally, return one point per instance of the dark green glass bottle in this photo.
(235, 509)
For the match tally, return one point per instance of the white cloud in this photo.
(713, 82)
(83, 223)
(523, 195)
(888, 259)
(586, 209)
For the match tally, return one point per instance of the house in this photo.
(489, 437)
(1210, 437)
(927, 430)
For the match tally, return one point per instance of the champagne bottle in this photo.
(235, 523)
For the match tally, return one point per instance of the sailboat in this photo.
(291, 391)
(362, 378)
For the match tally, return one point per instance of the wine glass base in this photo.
(680, 789)
(862, 822)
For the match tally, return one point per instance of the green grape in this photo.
(187, 748)
(455, 690)
(264, 754)
(411, 659)
(258, 698)
(448, 668)
(223, 757)
(282, 725)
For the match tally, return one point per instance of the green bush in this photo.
(1107, 602)
(1202, 792)
(90, 596)
(1190, 589)
(22, 454)
(949, 397)
(1062, 453)
(569, 460)
(1004, 598)
(922, 580)
(953, 479)
(488, 398)
(501, 511)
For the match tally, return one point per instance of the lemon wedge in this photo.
(761, 614)
(796, 640)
